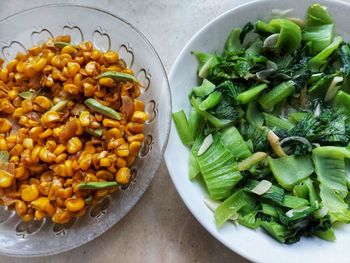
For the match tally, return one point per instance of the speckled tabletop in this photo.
(159, 228)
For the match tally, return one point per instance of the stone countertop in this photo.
(159, 228)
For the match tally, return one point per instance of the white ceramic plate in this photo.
(254, 245)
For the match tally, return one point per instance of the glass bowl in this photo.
(106, 31)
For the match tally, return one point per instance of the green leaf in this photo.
(204, 89)
(217, 168)
(330, 171)
(233, 43)
(291, 170)
(289, 34)
(206, 63)
(234, 142)
(231, 206)
(338, 209)
(4, 156)
(317, 14)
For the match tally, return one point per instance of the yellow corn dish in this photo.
(62, 125)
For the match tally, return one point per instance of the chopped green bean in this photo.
(100, 108)
(119, 76)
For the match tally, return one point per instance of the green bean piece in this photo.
(289, 34)
(59, 106)
(94, 132)
(182, 127)
(27, 95)
(4, 156)
(100, 108)
(60, 44)
(119, 76)
(194, 121)
(97, 185)
(251, 94)
(211, 101)
(277, 94)
(276, 122)
(219, 123)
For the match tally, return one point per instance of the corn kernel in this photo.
(4, 74)
(104, 162)
(105, 175)
(45, 134)
(85, 162)
(65, 193)
(92, 68)
(107, 82)
(114, 133)
(123, 175)
(95, 54)
(89, 89)
(135, 127)
(43, 204)
(27, 217)
(84, 118)
(123, 150)
(61, 217)
(12, 94)
(23, 120)
(59, 149)
(39, 64)
(50, 118)
(21, 207)
(14, 159)
(21, 172)
(139, 117)
(17, 113)
(134, 148)
(16, 150)
(28, 143)
(74, 145)
(5, 125)
(6, 179)
(71, 89)
(130, 160)
(35, 132)
(111, 56)
(61, 157)
(39, 215)
(73, 69)
(110, 123)
(137, 137)
(69, 169)
(43, 102)
(69, 50)
(27, 106)
(46, 156)
(121, 162)
(30, 193)
(74, 204)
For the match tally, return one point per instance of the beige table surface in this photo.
(159, 228)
